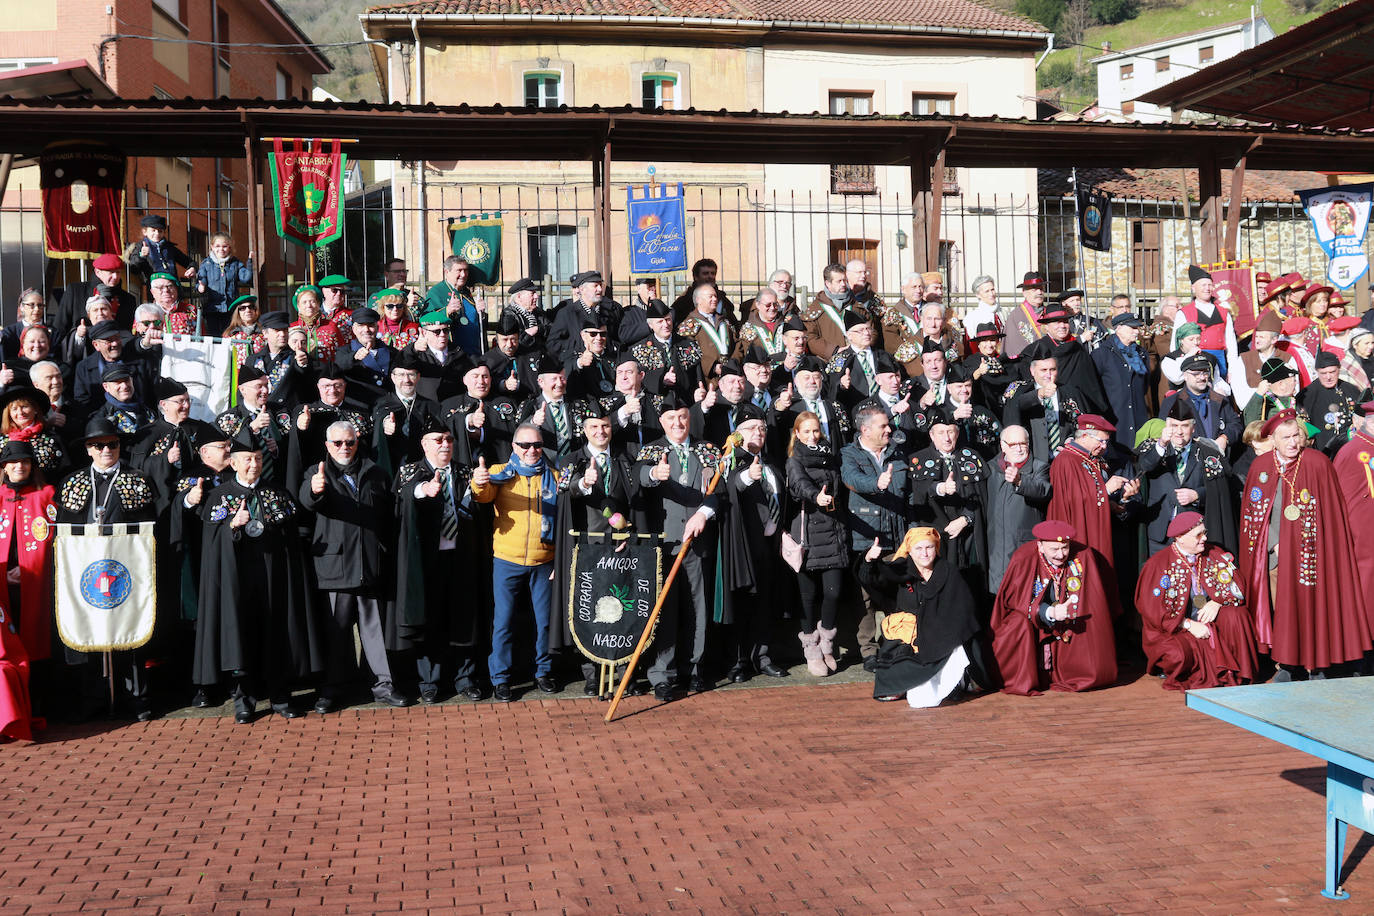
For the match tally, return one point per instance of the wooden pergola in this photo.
(234, 128)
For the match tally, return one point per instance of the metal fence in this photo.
(548, 232)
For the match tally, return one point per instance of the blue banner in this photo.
(658, 231)
(1339, 217)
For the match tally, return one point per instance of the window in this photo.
(851, 103)
(660, 91)
(160, 93)
(1128, 108)
(222, 28)
(1162, 64)
(1205, 54)
(552, 252)
(932, 103)
(842, 251)
(284, 87)
(543, 90)
(23, 63)
(174, 8)
(1145, 259)
(1127, 71)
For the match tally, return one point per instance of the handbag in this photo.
(793, 552)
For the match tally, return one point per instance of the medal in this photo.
(898, 437)
(254, 528)
(607, 386)
(463, 319)
(1291, 513)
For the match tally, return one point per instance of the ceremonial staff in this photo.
(731, 444)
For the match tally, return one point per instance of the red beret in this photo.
(1054, 531)
(1183, 523)
(1342, 324)
(1278, 419)
(108, 262)
(1296, 325)
(1093, 421)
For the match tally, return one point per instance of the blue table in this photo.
(1328, 719)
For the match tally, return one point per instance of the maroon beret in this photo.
(1183, 523)
(1054, 531)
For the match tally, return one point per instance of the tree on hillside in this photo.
(1045, 12)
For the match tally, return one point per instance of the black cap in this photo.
(1198, 362)
(657, 308)
(1127, 319)
(595, 410)
(277, 321)
(117, 372)
(1181, 409)
(243, 441)
(250, 374)
(853, 319)
(509, 324)
(756, 356)
(931, 346)
(407, 359)
(958, 372)
(104, 330)
(203, 434)
(365, 315)
(731, 367)
(99, 427)
(587, 276)
(940, 415)
(547, 363)
(1069, 294)
(749, 411)
(1327, 360)
(15, 450)
(1196, 273)
(430, 423)
(168, 388)
(672, 402)
(1276, 370)
(794, 324)
(154, 221)
(331, 371)
(519, 286)
(884, 362)
(809, 363)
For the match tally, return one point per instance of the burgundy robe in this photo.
(1079, 485)
(1316, 615)
(28, 515)
(1163, 596)
(1355, 469)
(1075, 655)
(16, 710)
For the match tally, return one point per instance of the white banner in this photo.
(205, 366)
(106, 586)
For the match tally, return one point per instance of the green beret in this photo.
(334, 280)
(387, 294)
(308, 287)
(243, 300)
(161, 275)
(1187, 329)
(436, 318)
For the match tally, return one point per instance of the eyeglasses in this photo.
(595, 333)
(528, 445)
(249, 307)
(343, 443)
(1017, 444)
(103, 446)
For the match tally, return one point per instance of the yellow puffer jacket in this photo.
(516, 531)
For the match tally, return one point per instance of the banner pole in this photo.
(108, 661)
(643, 644)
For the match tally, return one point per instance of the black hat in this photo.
(931, 346)
(519, 286)
(277, 321)
(1056, 312)
(407, 359)
(547, 363)
(1181, 409)
(250, 374)
(1127, 319)
(104, 330)
(940, 415)
(671, 402)
(1196, 273)
(986, 331)
(756, 355)
(883, 362)
(809, 363)
(626, 356)
(657, 308)
(794, 324)
(168, 388)
(587, 276)
(331, 371)
(365, 315)
(731, 367)
(749, 411)
(19, 390)
(1327, 360)
(957, 372)
(203, 434)
(243, 441)
(1069, 294)
(595, 410)
(853, 319)
(99, 427)
(154, 221)
(15, 450)
(1032, 280)
(117, 372)
(1198, 362)
(1276, 370)
(510, 323)
(430, 423)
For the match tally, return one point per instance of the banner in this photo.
(106, 587)
(1235, 291)
(614, 584)
(307, 190)
(83, 200)
(206, 366)
(1339, 218)
(658, 231)
(477, 240)
(1095, 219)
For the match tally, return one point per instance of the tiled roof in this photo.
(1163, 184)
(957, 14)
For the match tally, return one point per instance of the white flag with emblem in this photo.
(106, 586)
(205, 366)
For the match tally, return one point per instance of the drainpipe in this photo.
(214, 94)
(421, 198)
(1049, 46)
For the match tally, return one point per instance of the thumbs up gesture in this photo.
(947, 487)
(885, 478)
(963, 411)
(928, 398)
(661, 471)
(590, 477)
(537, 418)
(303, 419)
(670, 377)
(430, 487)
(700, 394)
(174, 453)
(584, 359)
(756, 469)
(512, 382)
(478, 417)
(261, 420)
(874, 551)
(903, 405)
(845, 380)
(480, 475)
(824, 499)
(784, 399)
(317, 482)
(241, 516)
(632, 404)
(389, 424)
(709, 399)
(196, 493)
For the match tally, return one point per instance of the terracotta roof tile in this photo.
(1163, 184)
(961, 14)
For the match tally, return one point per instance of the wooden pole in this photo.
(254, 201)
(730, 444)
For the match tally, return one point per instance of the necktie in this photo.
(684, 477)
(560, 423)
(1052, 431)
(774, 504)
(815, 407)
(866, 361)
(603, 471)
(448, 528)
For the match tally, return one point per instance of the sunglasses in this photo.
(595, 333)
(103, 446)
(343, 443)
(528, 445)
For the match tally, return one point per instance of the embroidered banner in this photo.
(106, 594)
(83, 200)
(1095, 219)
(307, 189)
(613, 586)
(207, 367)
(477, 240)
(1339, 218)
(658, 231)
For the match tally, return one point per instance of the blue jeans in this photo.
(508, 581)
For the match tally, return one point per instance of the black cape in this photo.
(945, 620)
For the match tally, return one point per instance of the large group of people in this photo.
(959, 500)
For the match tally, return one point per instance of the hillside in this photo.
(327, 21)
(1068, 67)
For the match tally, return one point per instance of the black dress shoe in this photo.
(738, 675)
(429, 697)
(591, 688)
(473, 692)
(289, 712)
(637, 689)
(663, 693)
(144, 715)
(871, 664)
(700, 684)
(546, 683)
(325, 705)
(393, 698)
(501, 693)
(773, 670)
(201, 700)
(888, 698)
(243, 718)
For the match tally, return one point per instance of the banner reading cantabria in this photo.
(307, 190)
(1340, 216)
(106, 597)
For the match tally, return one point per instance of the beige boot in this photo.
(827, 645)
(811, 648)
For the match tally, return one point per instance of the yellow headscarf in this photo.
(915, 536)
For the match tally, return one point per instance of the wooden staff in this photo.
(730, 445)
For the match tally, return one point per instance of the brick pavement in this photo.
(799, 799)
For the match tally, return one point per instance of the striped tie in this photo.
(560, 423)
(1052, 430)
(448, 528)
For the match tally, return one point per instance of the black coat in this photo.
(945, 617)
(351, 543)
(1206, 472)
(825, 538)
(1124, 386)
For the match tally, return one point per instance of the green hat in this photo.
(310, 287)
(384, 295)
(1187, 329)
(243, 300)
(334, 280)
(162, 275)
(436, 318)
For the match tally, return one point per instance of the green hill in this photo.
(328, 21)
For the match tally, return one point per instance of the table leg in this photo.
(1335, 834)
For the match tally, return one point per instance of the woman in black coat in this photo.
(927, 648)
(813, 483)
